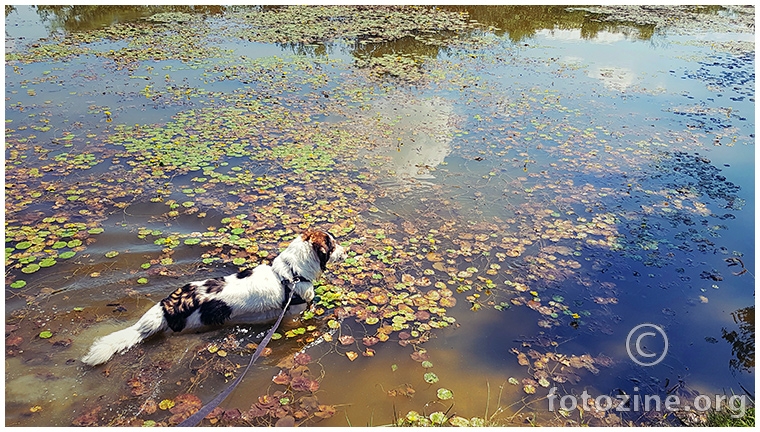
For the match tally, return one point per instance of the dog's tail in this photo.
(104, 348)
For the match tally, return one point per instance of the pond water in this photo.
(519, 188)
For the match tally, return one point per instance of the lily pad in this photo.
(444, 394)
(23, 245)
(31, 268)
(430, 378)
(18, 284)
(47, 262)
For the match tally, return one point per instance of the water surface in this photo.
(519, 187)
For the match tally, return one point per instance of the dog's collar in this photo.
(287, 285)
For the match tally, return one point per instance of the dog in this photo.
(248, 297)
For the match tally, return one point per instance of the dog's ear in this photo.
(322, 253)
(321, 243)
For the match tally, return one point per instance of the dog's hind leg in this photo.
(104, 348)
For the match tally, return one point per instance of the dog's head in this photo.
(325, 246)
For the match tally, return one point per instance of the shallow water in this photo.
(516, 199)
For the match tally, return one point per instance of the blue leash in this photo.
(196, 418)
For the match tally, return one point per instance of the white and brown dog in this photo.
(248, 297)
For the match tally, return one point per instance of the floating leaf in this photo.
(459, 421)
(23, 245)
(18, 284)
(346, 340)
(448, 302)
(66, 255)
(31, 268)
(437, 418)
(444, 394)
(142, 280)
(111, 254)
(430, 378)
(352, 355)
(282, 378)
(166, 404)
(47, 262)
(46, 334)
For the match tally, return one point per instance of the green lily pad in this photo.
(23, 245)
(430, 378)
(437, 418)
(31, 268)
(142, 280)
(95, 230)
(66, 255)
(48, 262)
(111, 254)
(46, 334)
(18, 284)
(444, 394)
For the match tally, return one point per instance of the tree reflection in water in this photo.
(743, 341)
